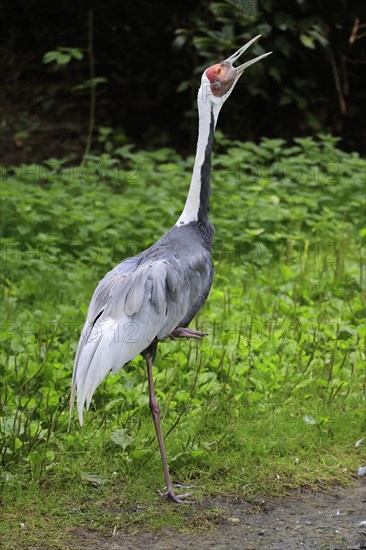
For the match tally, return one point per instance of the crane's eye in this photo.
(218, 71)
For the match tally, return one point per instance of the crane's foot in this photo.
(180, 499)
(183, 332)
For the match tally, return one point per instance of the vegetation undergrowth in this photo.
(272, 398)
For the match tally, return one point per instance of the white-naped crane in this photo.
(155, 295)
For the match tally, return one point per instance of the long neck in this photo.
(198, 200)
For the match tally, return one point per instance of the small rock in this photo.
(233, 521)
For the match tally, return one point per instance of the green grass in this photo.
(273, 398)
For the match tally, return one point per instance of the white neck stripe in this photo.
(192, 205)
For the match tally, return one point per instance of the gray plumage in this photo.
(141, 300)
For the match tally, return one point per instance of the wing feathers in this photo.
(135, 303)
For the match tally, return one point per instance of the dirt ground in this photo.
(334, 520)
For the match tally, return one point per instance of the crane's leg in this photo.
(155, 411)
(184, 332)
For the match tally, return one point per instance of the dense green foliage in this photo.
(284, 320)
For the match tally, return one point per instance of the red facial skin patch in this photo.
(221, 78)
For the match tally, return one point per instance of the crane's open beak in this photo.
(239, 70)
(223, 76)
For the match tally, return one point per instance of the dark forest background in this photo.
(128, 72)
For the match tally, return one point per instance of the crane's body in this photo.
(155, 295)
(141, 300)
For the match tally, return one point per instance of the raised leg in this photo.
(183, 332)
(155, 411)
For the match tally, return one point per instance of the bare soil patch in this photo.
(333, 520)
